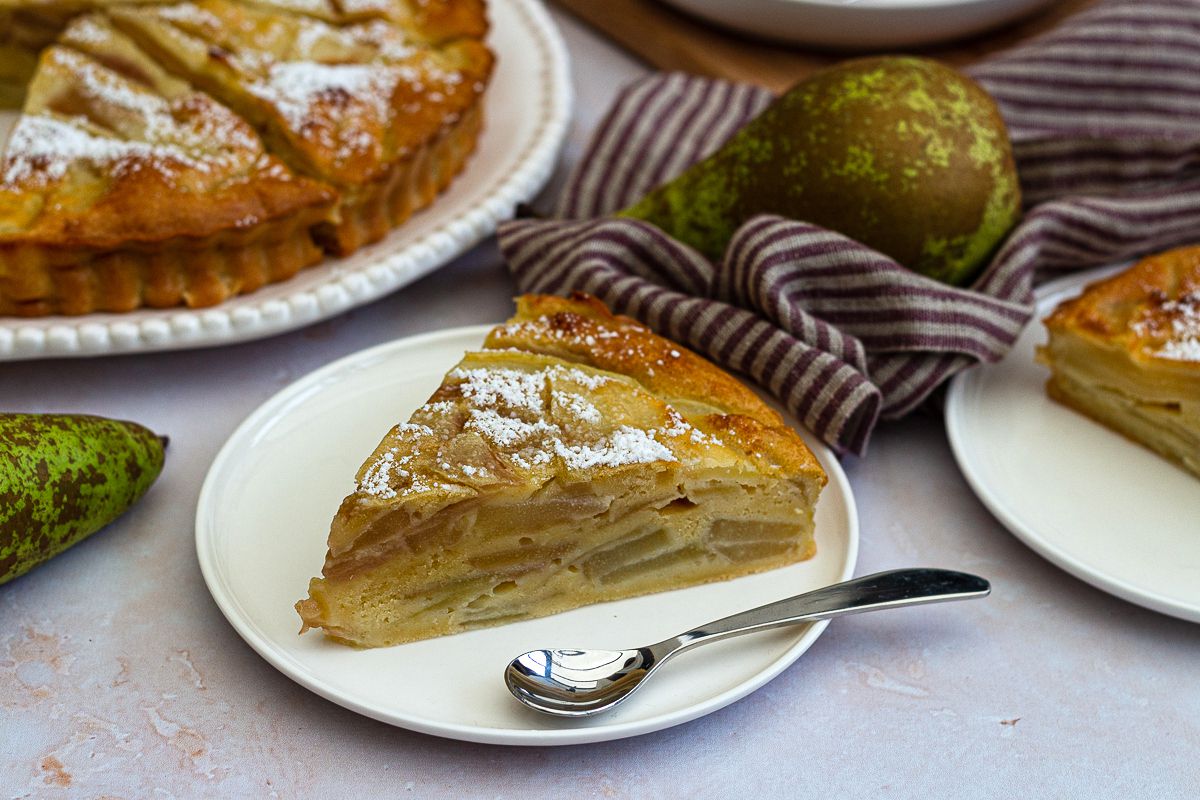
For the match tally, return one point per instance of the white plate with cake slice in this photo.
(1096, 504)
(527, 108)
(261, 527)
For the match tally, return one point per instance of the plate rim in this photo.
(897, 6)
(183, 328)
(816, 23)
(282, 661)
(1045, 547)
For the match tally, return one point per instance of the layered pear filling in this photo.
(1152, 400)
(563, 546)
(1126, 352)
(530, 484)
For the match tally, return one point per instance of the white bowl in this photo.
(860, 24)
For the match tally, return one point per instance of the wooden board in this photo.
(670, 40)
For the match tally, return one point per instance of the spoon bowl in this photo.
(580, 683)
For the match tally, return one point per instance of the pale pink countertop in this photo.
(119, 677)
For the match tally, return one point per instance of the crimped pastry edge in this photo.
(37, 280)
(410, 184)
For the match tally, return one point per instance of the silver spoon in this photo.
(579, 683)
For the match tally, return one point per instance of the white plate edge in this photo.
(222, 596)
(222, 326)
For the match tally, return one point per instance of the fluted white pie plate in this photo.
(1101, 507)
(261, 526)
(526, 112)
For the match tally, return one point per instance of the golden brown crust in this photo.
(581, 328)
(37, 281)
(1135, 310)
(412, 183)
(145, 207)
(357, 105)
(27, 26)
(444, 20)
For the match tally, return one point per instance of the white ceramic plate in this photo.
(1101, 507)
(261, 526)
(860, 24)
(527, 109)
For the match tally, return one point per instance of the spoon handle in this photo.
(901, 587)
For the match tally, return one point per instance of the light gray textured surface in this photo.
(118, 676)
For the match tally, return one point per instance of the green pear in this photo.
(902, 154)
(64, 477)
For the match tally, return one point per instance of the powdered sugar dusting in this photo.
(391, 469)
(377, 480)
(577, 405)
(529, 418)
(126, 129)
(42, 149)
(626, 445)
(678, 426)
(360, 7)
(189, 14)
(634, 349)
(508, 431)
(296, 88)
(509, 409)
(488, 388)
(1184, 344)
(339, 88)
(1177, 324)
(539, 329)
(87, 30)
(391, 46)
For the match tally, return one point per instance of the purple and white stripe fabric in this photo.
(1104, 113)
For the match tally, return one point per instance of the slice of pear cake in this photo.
(577, 458)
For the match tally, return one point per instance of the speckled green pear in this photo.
(903, 154)
(64, 477)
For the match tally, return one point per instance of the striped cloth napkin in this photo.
(1104, 113)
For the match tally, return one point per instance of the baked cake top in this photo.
(568, 390)
(99, 157)
(1151, 310)
(340, 101)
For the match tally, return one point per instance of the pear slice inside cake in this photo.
(1126, 352)
(577, 458)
